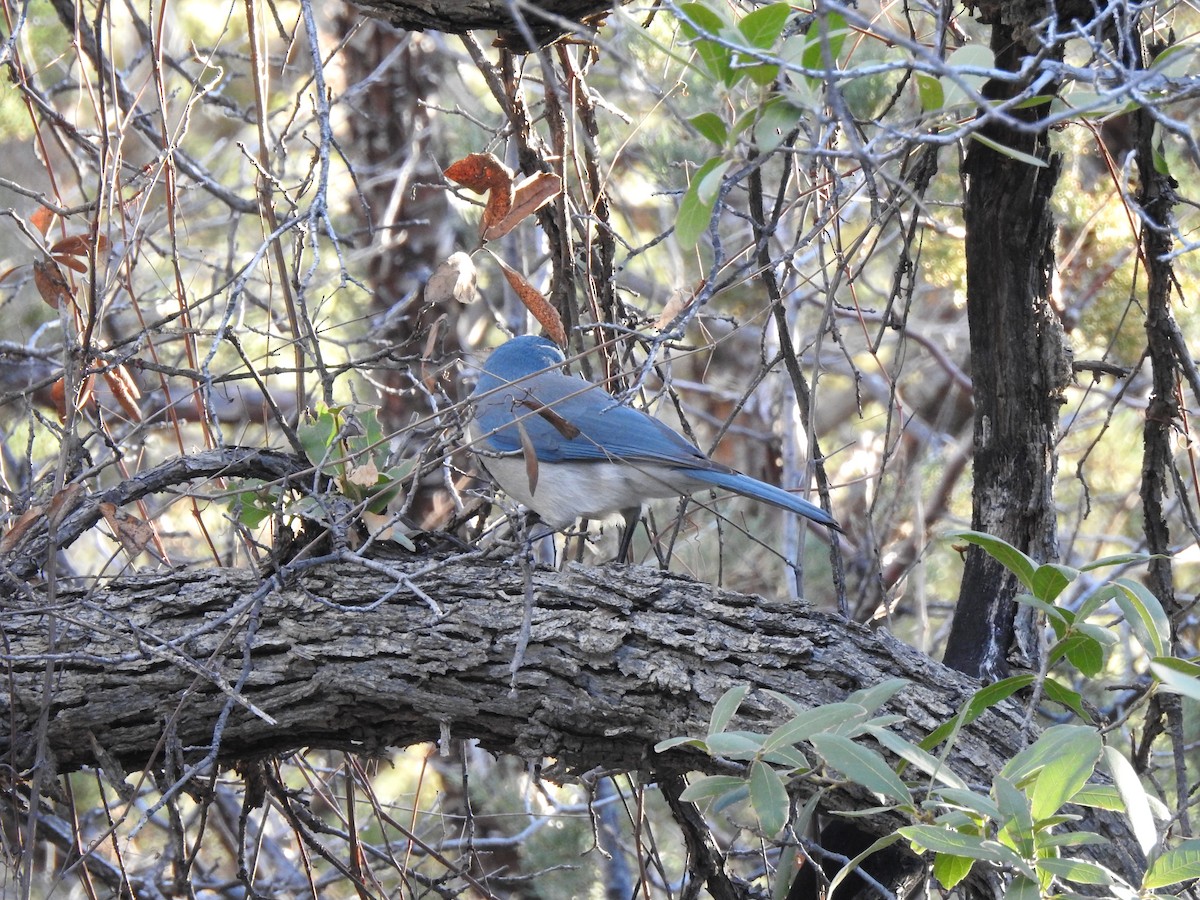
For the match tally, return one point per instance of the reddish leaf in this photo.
(58, 394)
(71, 263)
(49, 280)
(132, 532)
(538, 305)
(480, 172)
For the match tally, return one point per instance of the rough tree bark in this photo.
(1020, 366)
(347, 656)
(546, 20)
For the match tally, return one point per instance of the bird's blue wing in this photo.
(567, 419)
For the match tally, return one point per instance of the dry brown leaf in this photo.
(561, 425)
(678, 302)
(64, 503)
(125, 389)
(538, 305)
(364, 475)
(480, 172)
(12, 537)
(529, 196)
(132, 533)
(72, 263)
(452, 280)
(49, 280)
(531, 460)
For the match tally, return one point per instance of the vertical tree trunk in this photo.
(1019, 365)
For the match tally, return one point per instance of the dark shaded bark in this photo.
(544, 21)
(1019, 366)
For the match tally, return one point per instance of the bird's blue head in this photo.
(523, 356)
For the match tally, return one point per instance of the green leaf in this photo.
(1181, 863)
(711, 126)
(762, 27)
(830, 29)
(317, 434)
(1145, 615)
(1072, 700)
(734, 744)
(1076, 870)
(671, 743)
(957, 83)
(1023, 888)
(1051, 579)
(933, 98)
(1016, 817)
(911, 753)
(769, 798)
(949, 869)
(1062, 759)
(1120, 559)
(1177, 675)
(982, 806)
(725, 707)
(785, 872)
(871, 698)
(862, 765)
(1003, 552)
(983, 699)
(717, 59)
(696, 210)
(1099, 796)
(942, 840)
(1084, 652)
(805, 724)
(776, 120)
(1011, 152)
(708, 787)
(1133, 795)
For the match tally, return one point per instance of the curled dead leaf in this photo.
(454, 279)
(480, 172)
(528, 197)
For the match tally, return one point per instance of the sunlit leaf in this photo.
(1145, 615)
(696, 209)
(1181, 863)
(862, 765)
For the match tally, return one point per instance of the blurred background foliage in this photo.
(252, 236)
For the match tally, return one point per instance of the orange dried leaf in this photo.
(529, 196)
(499, 205)
(49, 280)
(58, 395)
(480, 172)
(125, 389)
(538, 305)
(64, 503)
(41, 220)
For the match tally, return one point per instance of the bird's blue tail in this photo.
(759, 490)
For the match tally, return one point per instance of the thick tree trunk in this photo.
(221, 665)
(1019, 367)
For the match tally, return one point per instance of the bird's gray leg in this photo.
(631, 521)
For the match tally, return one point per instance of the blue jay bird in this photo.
(591, 456)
